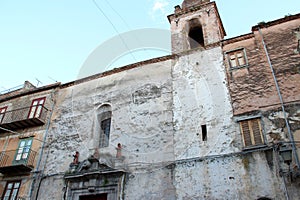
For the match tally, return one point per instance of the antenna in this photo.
(38, 82)
(52, 79)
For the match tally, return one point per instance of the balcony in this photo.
(10, 165)
(23, 117)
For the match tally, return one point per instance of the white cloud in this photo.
(160, 5)
(159, 9)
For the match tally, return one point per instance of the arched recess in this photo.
(196, 37)
(104, 114)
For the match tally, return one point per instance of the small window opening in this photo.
(104, 125)
(298, 48)
(196, 37)
(204, 132)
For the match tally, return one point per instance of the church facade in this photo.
(217, 119)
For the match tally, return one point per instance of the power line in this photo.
(127, 25)
(114, 27)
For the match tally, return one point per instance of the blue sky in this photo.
(50, 40)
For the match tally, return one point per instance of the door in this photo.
(23, 151)
(94, 197)
(36, 108)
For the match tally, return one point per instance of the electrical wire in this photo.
(128, 27)
(123, 20)
(114, 27)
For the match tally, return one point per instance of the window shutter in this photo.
(251, 132)
(246, 133)
(256, 132)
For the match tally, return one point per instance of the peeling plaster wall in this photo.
(52, 187)
(234, 177)
(153, 185)
(157, 113)
(141, 101)
(201, 97)
(252, 87)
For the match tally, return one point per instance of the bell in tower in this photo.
(195, 25)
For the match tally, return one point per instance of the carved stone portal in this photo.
(91, 178)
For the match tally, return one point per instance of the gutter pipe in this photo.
(291, 137)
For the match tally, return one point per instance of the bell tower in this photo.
(195, 24)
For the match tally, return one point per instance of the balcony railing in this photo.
(23, 117)
(11, 163)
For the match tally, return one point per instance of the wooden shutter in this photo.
(257, 136)
(246, 133)
(251, 132)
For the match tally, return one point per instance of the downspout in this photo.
(291, 137)
(42, 148)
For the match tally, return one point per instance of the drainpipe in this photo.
(291, 137)
(42, 148)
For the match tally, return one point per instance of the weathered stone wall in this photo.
(253, 91)
(52, 187)
(275, 126)
(276, 131)
(141, 101)
(238, 176)
(282, 44)
(253, 88)
(189, 3)
(201, 98)
(158, 111)
(210, 22)
(154, 185)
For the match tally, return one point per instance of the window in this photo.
(11, 190)
(251, 131)
(23, 151)
(298, 47)
(104, 122)
(105, 130)
(204, 132)
(36, 108)
(237, 58)
(2, 113)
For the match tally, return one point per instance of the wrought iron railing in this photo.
(10, 158)
(21, 114)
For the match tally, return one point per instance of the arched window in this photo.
(104, 123)
(196, 38)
